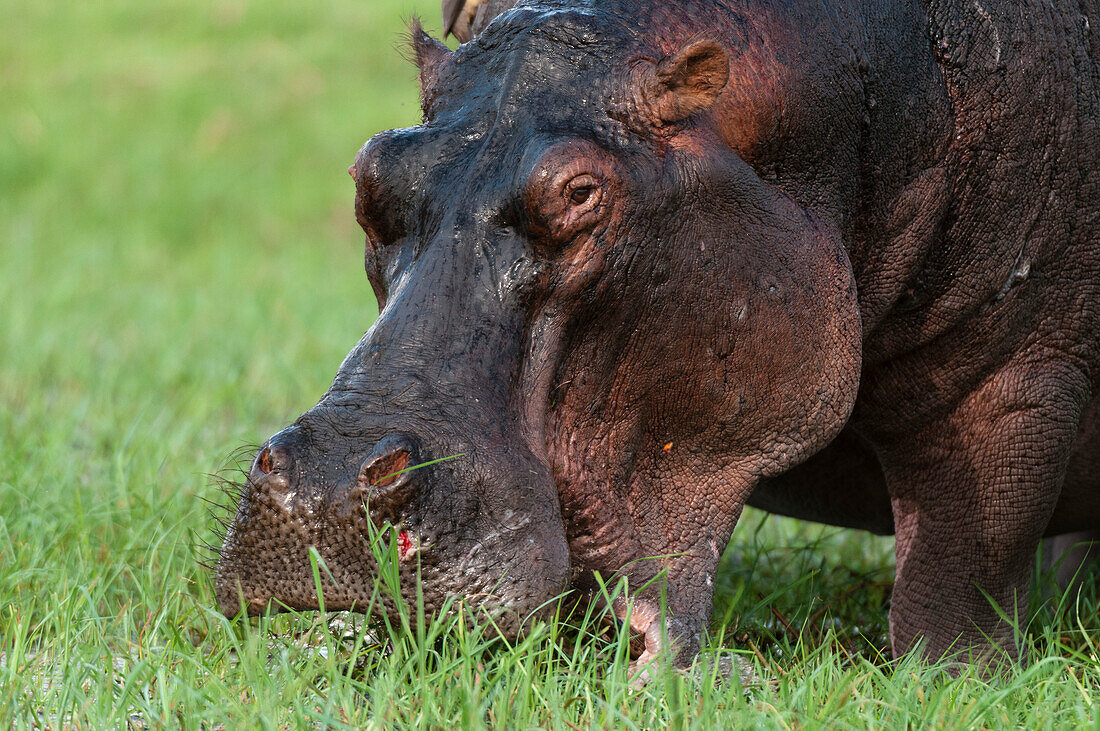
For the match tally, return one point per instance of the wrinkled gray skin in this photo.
(645, 263)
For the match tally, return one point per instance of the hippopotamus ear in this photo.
(687, 82)
(429, 55)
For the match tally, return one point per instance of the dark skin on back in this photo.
(646, 263)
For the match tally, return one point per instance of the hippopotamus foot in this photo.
(674, 638)
(668, 611)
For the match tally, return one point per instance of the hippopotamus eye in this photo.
(583, 192)
(563, 209)
(566, 196)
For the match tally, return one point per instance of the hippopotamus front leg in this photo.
(972, 494)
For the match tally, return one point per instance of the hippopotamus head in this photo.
(574, 271)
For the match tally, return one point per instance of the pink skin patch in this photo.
(405, 545)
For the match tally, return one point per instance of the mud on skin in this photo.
(645, 263)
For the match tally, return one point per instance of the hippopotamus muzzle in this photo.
(508, 556)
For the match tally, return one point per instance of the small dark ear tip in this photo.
(707, 47)
(417, 32)
(427, 51)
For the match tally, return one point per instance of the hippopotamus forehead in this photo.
(551, 70)
(490, 140)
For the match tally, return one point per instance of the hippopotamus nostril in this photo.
(388, 463)
(264, 462)
(386, 478)
(273, 464)
(386, 470)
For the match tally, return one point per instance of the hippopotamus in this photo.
(645, 263)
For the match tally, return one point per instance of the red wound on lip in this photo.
(404, 545)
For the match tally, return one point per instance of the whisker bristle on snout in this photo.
(232, 483)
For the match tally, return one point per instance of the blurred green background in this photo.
(177, 224)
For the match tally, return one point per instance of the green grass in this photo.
(180, 273)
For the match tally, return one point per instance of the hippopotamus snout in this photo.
(305, 495)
